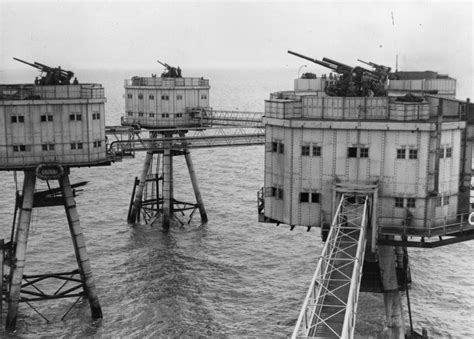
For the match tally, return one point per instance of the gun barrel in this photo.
(26, 62)
(336, 63)
(322, 63)
(367, 63)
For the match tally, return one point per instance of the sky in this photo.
(435, 35)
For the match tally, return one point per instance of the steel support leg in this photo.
(197, 192)
(167, 187)
(137, 202)
(393, 305)
(21, 240)
(80, 246)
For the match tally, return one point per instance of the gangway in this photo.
(329, 309)
(233, 118)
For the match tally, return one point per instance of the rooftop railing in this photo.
(55, 92)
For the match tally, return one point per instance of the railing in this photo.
(54, 92)
(347, 224)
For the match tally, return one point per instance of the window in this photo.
(140, 114)
(15, 148)
(14, 119)
(130, 114)
(79, 145)
(279, 193)
(316, 151)
(274, 191)
(44, 147)
(449, 152)
(72, 117)
(315, 197)
(352, 152)
(165, 115)
(401, 153)
(97, 143)
(73, 145)
(96, 116)
(274, 146)
(129, 96)
(413, 154)
(304, 150)
(441, 153)
(364, 152)
(151, 97)
(165, 97)
(43, 118)
(17, 118)
(78, 117)
(50, 118)
(21, 118)
(179, 115)
(304, 197)
(152, 115)
(411, 202)
(179, 97)
(140, 96)
(398, 202)
(438, 201)
(203, 96)
(281, 148)
(446, 201)
(20, 148)
(51, 147)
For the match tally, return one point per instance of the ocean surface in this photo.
(230, 277)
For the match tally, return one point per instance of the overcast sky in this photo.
(133, 34)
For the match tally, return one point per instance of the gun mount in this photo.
(352, 81)
(171, 72)
(50, 75)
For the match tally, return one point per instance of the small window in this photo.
(279, 193)
(96, 116)
(398, 202)
(304, 197)
(15, 148)
(140, 96)
(72, 117)
(165, 115)
(413, 154)
(44, 147)
(203, 96)
(129, 96)
(441, 153)
(352, 152)
(179, 97)
(438, 201)
(22, 148)
(364, 152)
(449, 152)
(140, 114)
(152, 115)
(281, 148)
(401, 153)
(446, 201)
(151, 97)
(14, 119)
(411, 202)
(21, 118)
(51, 147)
(304, 150)
(78, 117)
(274, 191)
(165, 97)
(316, 151)
(43, 118)
(73, 145)
(315, 197)
(179, 115)
(130, 114)
(50, 118)
(275, 147)
(79, 145)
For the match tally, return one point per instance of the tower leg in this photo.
(80, 246)
(167, 187)
(137, 202)
(393, 305)
(21, 240)
(197, 192)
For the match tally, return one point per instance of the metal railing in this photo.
(335, 285)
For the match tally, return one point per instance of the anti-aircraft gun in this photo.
(171, 72)
(381, 70)
(51, 76)
(353, 81)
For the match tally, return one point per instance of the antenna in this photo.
(396, 64)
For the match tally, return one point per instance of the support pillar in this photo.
(197, 192)
(79, 246)
(21, 240)
(137, 202)
(167, 187)
(393, 306)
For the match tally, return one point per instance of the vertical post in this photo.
(79, 246)
(197, 192)
(137, 203)
(21, 240)
(2, 255)
(167, 187)
(393, 306)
